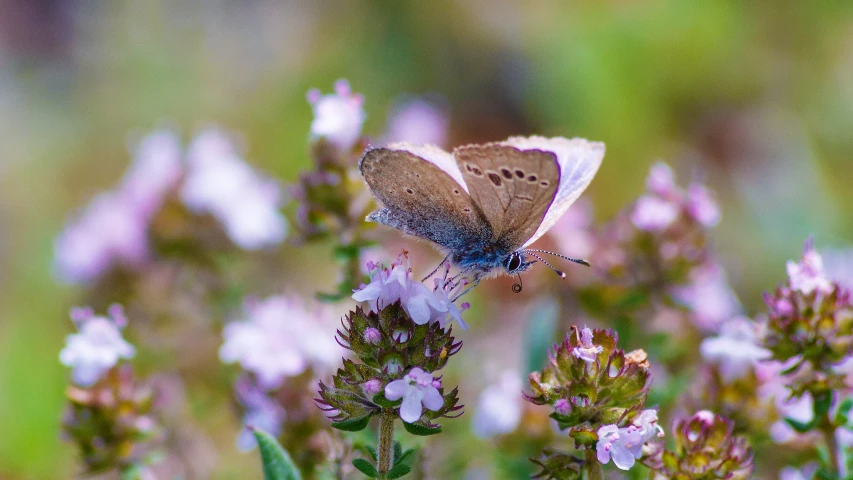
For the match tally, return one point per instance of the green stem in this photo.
(591, 467)
(828, 429)
(386, 443)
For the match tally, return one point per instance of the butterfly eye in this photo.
(513, 262)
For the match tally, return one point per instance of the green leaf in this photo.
(843, 414)
(398, 450)
(353, 424)
(822, 403)
(421, 430)
(276, 462)
(398, 471)
(372, 452)
(380, 400)
(406, 457)
(800, 427)
(365, 467)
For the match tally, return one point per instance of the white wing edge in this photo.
(579, 160)
(436, 156)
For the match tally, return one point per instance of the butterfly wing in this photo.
(512, 187)
(421, 199)
(578, 160)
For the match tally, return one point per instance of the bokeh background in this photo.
(755, 98)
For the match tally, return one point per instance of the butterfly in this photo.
(481, 204)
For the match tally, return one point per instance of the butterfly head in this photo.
(515, 262)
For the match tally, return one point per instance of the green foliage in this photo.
(277, 464)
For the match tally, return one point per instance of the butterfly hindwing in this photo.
(421, 199)
(512, 187)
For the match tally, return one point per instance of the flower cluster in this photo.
(395, 283)
(97, 347)
(114, 230)
(705, 448)
(598, 393)
(399, 359)
(111, 230)
(220, 183)
(810, 325)
(110, 416)
(281, 337)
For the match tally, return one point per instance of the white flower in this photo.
(736, 350)
(97, 347)
(625, 445)
(221, 183)
(338, 117)
(586, 351)
(499, 407)
(281, 338)
(808, 275)
(416, 388)
(652, 213)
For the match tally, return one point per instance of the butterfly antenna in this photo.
(561, 274)
(576, 260)
(436, 268)
(516, 287)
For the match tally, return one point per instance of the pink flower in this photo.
(97, 347)
(261, 412)
(701, 206)
(708, 296)
(808, 275)
(338, 117)
(625, 445)
(735, 350)
(653, 214)
(221, 183)
(418, 121)
(416, 388)
(156, 169)
(661, 181)
(388, 285)
(499, 407)
(586, 351)
(281, 337)
(110, 231)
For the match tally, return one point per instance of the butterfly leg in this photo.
(476, 281)
(436, 268)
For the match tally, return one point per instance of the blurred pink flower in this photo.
(701, 206)
(97, 347)
(338, 117)
(708, 296)
(156, 168)
(499, 406)
(416, 388)
(261, 412)
(735, 350)
(418, 121)
(808, 276)
(838, 266)
(281, 337)
(652, 213)
(112, 229)
(774, 388)
(221, 183)
(661, 181)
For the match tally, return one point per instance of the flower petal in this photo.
(396, 389)
(432, 399)
(410, 410)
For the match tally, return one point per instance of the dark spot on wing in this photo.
(506, 173)
(467, 210)
(410, 191)
(532, 178)
(468, 166)
(456, 191)
(519, 174)
(544, 184)
(495, 179)
(476, 171)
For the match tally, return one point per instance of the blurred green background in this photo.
(756, 98)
